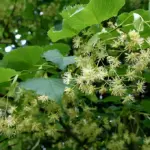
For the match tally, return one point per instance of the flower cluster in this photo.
(100, 61)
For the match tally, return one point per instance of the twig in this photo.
(36, 145)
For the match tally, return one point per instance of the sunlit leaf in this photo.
(77, 18)
(6, 74)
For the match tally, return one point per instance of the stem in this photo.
(36, 145)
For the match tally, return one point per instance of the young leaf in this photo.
(52, 87)
(6, 74)
(76, 19)
(57, 58)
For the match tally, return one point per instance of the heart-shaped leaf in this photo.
(23, 58)
(52, 87)
(77, 18)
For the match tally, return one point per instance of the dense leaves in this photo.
(76, 18)
(90, 91)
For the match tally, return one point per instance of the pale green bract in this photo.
(138, 22)
(79, 17)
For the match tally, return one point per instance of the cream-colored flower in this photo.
(67, 78)
(132, 57)
(43, 98)
(53, 117)
(12, 109)
(27, 108)
(10, 121)
(88, 89)
(122, 37)
(140, 65)
(145, 55)
(101, 55)
(88, 73)
(128, 98)
(131, 74)
(113, 61)
(51, 131)
(80, 80)
(140, 87)
(84, 61)
(101, 73)
(36, 126)
(117, 88)
(135, 37)
(70, 92)
(77, 42)
(103, 90)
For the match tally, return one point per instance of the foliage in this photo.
(76, 18)
(88, 92)
(30, 18)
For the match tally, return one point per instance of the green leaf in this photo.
(146, 105)
(126, 20)
(115, 99)
(146, 76)
(6, 74)
(57, 58)
(138, 22)
(93, 98)
(4, 145)
(29, 11)
(146, 123)
(52, 87)
(61, 47)
(23, 58)
(77, 18)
